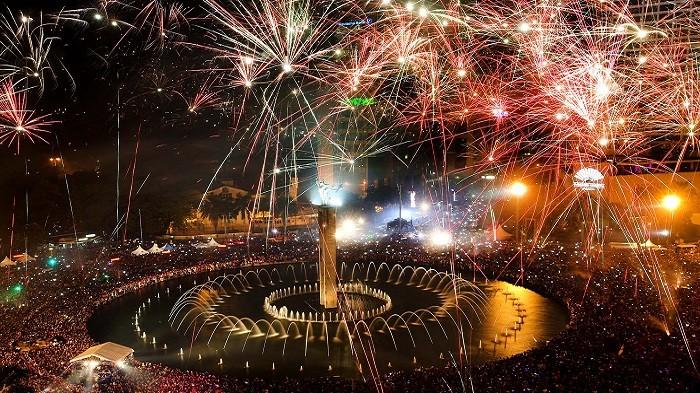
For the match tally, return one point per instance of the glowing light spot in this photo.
(440, 238)
(602, 89)
(98, 16)
(603, 141)
(423, 12)
(499, 112)
(410, 6)
(461, 73)
(524, 27)
(517, 189)
(671, 202)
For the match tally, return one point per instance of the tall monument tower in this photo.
(327, 269)
(328, 281)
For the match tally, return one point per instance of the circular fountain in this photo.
(356, 296)
(387, 318)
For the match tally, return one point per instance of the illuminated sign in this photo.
(358, 22)
(361, 101)
(588, 179)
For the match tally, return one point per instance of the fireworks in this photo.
(533, 90)
(17, 122)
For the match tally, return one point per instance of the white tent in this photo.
(498, 234)
(107, 352)
(649, 244)
(155, 249)
(7, 262)
(24, 257)
(213, 243)
(201, 245)
(501, 234)
(139, 251)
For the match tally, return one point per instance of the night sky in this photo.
(92, 63)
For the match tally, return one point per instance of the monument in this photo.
(328, 276)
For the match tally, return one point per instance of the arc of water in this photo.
(369, 329)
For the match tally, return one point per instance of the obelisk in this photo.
(328, 280)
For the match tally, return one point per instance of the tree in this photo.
(216, 206)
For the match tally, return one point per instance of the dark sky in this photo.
(91, 64)
(175, 145)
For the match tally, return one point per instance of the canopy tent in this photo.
(501, 234)
(498, 234)
(24, 257)
(201, 245)
(7, 262)
(107, 352)
(213, 243)
(139, 251)
(168, 247)
(649, 244)
(155, 249)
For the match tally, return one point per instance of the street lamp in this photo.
(670, 202)
(518, 189)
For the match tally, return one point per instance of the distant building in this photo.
(243, 218)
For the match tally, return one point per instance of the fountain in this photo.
(292, 305)
(388, 317)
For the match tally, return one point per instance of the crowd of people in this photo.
(633, 322)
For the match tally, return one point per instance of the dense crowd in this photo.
(624, 333)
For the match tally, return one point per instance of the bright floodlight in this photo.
(517, 189)
(347, 230)
(671, 202)
(440, 238)
(329, 194)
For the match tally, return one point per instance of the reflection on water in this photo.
(513, 320)
(517, 319)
